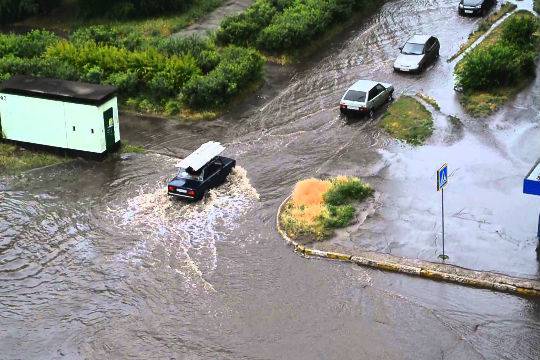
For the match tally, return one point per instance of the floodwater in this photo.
(96, 263)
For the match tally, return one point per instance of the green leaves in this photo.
(504, 62)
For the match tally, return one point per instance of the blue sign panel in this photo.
(531, 184)
(442, 177)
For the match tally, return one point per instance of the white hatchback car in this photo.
(365, 96)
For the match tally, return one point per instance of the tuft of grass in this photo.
(126, 148)
(408, 120)
(346, 189)
(317, 207)
(14, 158)
(431, 101)
(483, 103)
(483, 27)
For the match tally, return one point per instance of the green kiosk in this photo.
(61, 114)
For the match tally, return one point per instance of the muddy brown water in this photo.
(96, 263)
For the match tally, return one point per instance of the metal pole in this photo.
(442, 211)
(443, 256)
(538, 238)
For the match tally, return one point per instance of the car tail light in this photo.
(342, 106)
(171, 188)
(190, 193)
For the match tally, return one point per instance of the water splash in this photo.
(185, 232)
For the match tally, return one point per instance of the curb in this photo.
(472, 278)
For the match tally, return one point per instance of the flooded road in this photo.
(96, 263)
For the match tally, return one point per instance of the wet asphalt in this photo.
(96, 263)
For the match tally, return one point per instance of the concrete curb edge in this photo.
(512, 287)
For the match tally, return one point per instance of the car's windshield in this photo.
(413, 49)
(354, 95)
(184, 174)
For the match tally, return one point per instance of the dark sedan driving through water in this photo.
(201, 171)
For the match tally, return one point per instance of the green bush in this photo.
(501, 64)
(203, 50)
(505, 62)
(126, 82)
(345, 190)
(160, 74)
(238, 68)
(29, 45)
(109, 35)
(338, 216)
(242, 29)
(520, 31)
(278, 26)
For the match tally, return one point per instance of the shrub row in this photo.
(237, 69)
(278, 26)
(506, 61)
(156, 75)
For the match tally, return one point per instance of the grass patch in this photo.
(483, 27)
(127, 148)
(431, 101)
(500, 66)
(318, 207)
(14, 158)
(408, 120)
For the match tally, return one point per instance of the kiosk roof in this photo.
(55, 89)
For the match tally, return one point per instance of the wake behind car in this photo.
(201, 171)
(475, 7)
(364, 97)
(417, 53)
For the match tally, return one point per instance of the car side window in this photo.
(430, 44)
(379, 88)
(372, 93)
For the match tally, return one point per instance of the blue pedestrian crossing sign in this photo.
(442, 177)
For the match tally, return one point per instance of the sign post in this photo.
(531, 186)
(442, 180)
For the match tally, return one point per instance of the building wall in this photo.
(33, 120)
(55, 123)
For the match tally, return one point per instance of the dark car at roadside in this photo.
(475, 7)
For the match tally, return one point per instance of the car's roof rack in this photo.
(200, 157)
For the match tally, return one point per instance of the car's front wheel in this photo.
(371, 114)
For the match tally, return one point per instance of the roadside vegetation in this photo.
(499, 67)
(483, 27)
(537, 6)
(428, 99)
(153, 75)
(127, 148)
(318, 207)
(408, 120)
(282, 27)
(14, 158)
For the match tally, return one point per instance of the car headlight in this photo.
(478, 6)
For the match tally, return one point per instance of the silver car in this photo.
(418, 52)
(365, 96)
